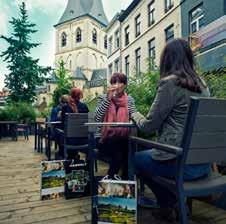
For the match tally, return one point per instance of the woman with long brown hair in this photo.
(178, 82)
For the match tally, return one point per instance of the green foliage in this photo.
(20, 111)
(63, 83)
(45, 113)
(143, 89)
(91, 104)
(25, 73)
(216, 81)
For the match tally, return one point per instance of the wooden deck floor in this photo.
(20, 198)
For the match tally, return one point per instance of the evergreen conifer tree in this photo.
(24, 72)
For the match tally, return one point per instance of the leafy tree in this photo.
(143, 89)
(25, 73)
(216, 81)
(63, 83)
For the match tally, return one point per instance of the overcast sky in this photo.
(45, 14)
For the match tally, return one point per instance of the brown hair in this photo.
(76, 95)
(118, 77)
(177, 59)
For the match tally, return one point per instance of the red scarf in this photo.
(117, 112)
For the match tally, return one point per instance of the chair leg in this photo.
(65, 152)
(182, 210)
(142, 187)
(96, 167)
(189, 203)
(41, 144)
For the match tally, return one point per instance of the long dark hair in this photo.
(177, 59)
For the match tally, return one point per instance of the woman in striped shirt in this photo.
(115, 106)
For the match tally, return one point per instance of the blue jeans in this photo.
(146, 168)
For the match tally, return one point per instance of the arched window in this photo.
(94, 36)
(78, 35)
(70, 65)
(105, 42)
(63, 39)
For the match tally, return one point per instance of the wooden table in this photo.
(48, 125)
(92, 128)
(10, 123)
(131, 152)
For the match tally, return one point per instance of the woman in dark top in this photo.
(178, 82)
(74, 105)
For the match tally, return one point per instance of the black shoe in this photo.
(168, 214)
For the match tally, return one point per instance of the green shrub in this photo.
(216, 81)
(143, 89)
(91, 104)
(21, 112)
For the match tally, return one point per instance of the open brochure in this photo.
(117, 202)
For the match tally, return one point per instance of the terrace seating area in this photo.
(20, 193)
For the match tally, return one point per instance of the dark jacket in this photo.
(66, 108)
(167, 115)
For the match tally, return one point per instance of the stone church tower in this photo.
(81, 42)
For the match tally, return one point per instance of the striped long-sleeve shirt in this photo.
(102, 106)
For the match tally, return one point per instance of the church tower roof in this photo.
(79, 8)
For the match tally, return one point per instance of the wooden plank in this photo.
(18, 195)
(210, 123)
(18, 200)
(84, 218)
(208, 140)
(199, 156)
(50, 215)
(212, 106)
(40, 203)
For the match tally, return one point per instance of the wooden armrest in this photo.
(60, 130)
(164, 147)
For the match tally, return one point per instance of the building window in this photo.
(137, 56)
(63, 39)
(78, 35)
(151, 53)
(117, 65)
(137, 25)
(168, 5)
(70, 65)
(117, 40)
(151, 11)
(105, 42)
(196, 18)
(94, 36)
(169, 32)
(110, 69)
(127, 65)
(126, 35)
(110, 45)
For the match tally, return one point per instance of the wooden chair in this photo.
(204, 141)
(75, 129)
(40, 133)
(24, 129)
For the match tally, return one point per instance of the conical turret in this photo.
(79, 8)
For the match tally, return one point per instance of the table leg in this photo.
(39, 140)
(131, 159)
(49, 143)
(35, 146)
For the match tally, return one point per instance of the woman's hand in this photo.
(115, 90)
(112, 91)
